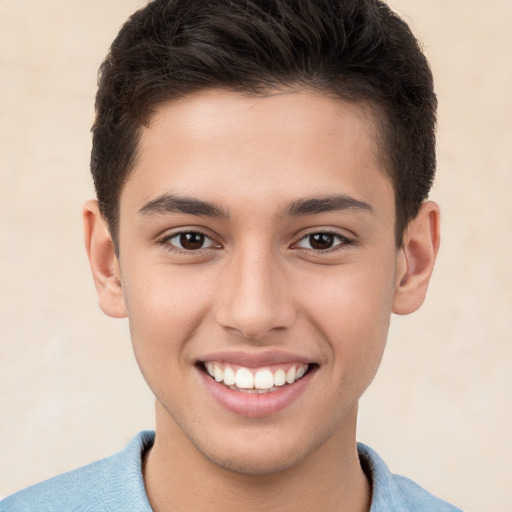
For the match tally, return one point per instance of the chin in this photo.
(258, 463)
(264, 452)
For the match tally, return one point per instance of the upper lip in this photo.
(255, 359)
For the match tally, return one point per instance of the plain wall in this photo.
(439, 411)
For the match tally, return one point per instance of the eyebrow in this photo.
(317, 205)
(167, 203)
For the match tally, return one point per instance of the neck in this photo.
(179, 478)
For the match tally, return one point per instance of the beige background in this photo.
(440, 409)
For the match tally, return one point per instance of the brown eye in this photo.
(321, 241)
(189, 241)
(192, 241)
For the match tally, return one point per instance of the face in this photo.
(258, 268)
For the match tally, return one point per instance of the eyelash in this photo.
(338, 242)
(340, 239)
(166, 242)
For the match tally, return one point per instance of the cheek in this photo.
(164, 309)
(352, 311)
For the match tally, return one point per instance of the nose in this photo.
(254, 298)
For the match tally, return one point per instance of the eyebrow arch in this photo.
(167, 203)
(316, 205)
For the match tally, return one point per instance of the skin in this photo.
(259, 285)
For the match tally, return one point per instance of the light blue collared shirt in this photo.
(115, 484)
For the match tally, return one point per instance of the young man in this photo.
(262, 169)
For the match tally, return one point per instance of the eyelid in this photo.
(343, 240)
(165, 239)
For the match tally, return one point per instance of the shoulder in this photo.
(394, 493)
(106, 485)
(414, 495)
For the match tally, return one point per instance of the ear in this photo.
(103, 261)
(416, 259)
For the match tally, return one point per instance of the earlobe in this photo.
(103, 261)
(416, 259)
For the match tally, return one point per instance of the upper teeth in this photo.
(262, 378)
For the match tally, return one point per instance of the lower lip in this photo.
(255, 405)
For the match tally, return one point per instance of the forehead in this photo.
(278, 145)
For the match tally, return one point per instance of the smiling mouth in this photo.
(256, 380)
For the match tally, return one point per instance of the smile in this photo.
(255, 380)
(256, 385)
